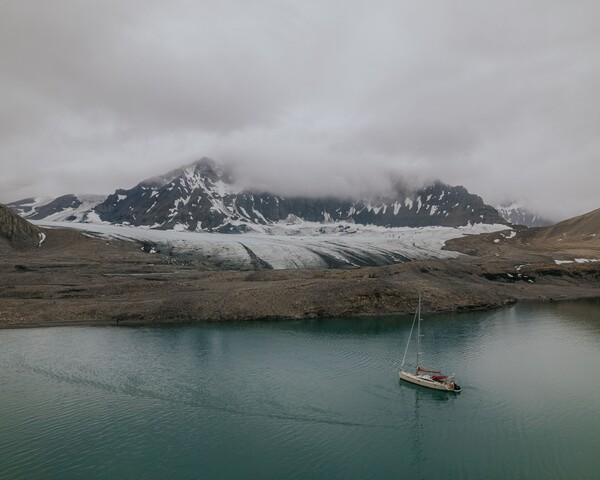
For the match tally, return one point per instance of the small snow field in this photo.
(577, 260)
(291, 246)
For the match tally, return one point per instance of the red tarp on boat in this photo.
(421, 369)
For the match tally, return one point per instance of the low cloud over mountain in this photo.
(202, 197)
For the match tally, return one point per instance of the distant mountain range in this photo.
(202, 197)
(518, 215)
(69, 208)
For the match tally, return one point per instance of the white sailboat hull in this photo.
(426, 381)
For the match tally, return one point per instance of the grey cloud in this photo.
(304, 97)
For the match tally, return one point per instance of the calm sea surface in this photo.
(306, 399)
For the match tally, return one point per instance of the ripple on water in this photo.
(303, 400)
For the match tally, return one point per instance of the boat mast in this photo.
(409, 337)
(418, 331)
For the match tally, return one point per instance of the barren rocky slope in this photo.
(74, 279)
(16, 232)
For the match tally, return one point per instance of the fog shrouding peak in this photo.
(305, 98)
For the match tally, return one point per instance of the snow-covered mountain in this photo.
(518, 215)
(71, 208)
(202, 197)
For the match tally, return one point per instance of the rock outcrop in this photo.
(18, 232)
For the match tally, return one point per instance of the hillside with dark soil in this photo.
(574, 239)
(16, 232)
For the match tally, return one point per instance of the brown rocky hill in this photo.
(582, 227)
(577, 238)
(23, 242)
(17, 232)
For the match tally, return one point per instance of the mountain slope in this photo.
(583, 227)
(201, 197)
(576, 240)
(19, 233)
(518, 215)
(64, 208)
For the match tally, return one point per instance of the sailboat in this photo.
(426, 378)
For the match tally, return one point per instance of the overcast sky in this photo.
(305, 97)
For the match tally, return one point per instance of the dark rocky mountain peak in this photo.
(518, 215)
(201, 196)
(203, 168)
(71, 207)
(192, 197)
(59, 204)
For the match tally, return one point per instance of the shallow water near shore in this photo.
(306, 399)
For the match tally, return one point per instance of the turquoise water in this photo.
(306, 399)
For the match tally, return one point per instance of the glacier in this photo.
(299, 245)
